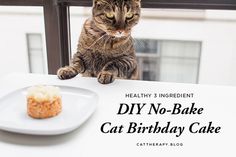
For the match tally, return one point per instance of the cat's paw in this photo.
(66, 73)
(105, 77)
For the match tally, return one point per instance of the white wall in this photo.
(15, 23)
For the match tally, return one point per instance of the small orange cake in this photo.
(43, 101)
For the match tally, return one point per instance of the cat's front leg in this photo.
(106, 77)
(108, 73)
(68, 72)
(123, 68)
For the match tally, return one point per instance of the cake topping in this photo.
(43, 92)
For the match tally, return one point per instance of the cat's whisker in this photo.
(105, 43)
(97, 41)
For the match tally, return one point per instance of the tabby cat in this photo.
(106, 48)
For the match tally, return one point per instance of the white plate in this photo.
(77, 106)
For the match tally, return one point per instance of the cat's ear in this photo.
(138, 2)
(97, 2)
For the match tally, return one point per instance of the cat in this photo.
(106, 49)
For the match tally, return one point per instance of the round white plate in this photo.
(77, 106)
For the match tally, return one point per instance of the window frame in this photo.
(57, 21)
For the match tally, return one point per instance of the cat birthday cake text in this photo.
(165, 122)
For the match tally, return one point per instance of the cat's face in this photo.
(116, 17)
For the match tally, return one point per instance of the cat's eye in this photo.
(129, 15)
(110, 15)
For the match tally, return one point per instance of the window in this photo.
(36, 56)
(168, 61)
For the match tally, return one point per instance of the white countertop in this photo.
(219, 103)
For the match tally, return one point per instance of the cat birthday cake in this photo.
(43, 101)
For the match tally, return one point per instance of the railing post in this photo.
(57, 29)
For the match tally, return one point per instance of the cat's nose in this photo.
(120, 33)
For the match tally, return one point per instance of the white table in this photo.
(87, 141)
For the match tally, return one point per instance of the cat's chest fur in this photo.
(95, 60)
(97, 57)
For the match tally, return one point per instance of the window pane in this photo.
(35, 53)
(178, 70)
(148, 67)
(78, 16)
(22, 40)
(146, 46)
(185, 49)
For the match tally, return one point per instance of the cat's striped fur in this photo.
(105, 49)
